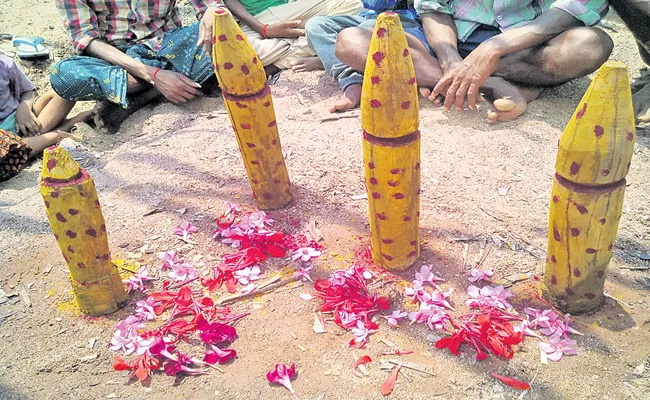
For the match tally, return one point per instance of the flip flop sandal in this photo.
(5, 36)
(31, 47)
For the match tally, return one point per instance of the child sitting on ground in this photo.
(28, 123)
(275, 28)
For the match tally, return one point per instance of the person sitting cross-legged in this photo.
(132, 52)
(508, 51)
(275, 28)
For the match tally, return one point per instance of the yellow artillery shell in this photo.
(250, 106)
(596, 146)
(391, 146)
(594, 157)
(389, 101)
(393, 185)
(78, 225)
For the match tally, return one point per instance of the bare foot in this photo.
(508, 100)
(350, 99)
(642, 104)
(307, 64)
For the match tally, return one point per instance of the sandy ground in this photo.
(170, 157)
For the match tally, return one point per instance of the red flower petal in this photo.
(362, 360)
(388, 386)
(275, 250)
(120, 365)
(513, 383)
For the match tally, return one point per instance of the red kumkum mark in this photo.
(378, 57)
(371, 165)
(576, 272)
(553, 259)
(81, 265)
(590, 251)
(276, 181)
(630, 136)
(274, 142)
(375, 80)
(581, 209)
(553, 279)
(604, 172)
(239, 37)
(240, 105)
(610, 247)
(106, 257)
(406, 218)
(599, 131)
(255, 162)
(71, 234)
(575, 167)
(250, 145)
(70, 249)
(245, 126)
(376, 195)
(278, 163)
(267, 196)
(103, 228)
(47, 204)
(91, 232)
(254, 60)
(569, 292)
(245, 70)
(375, 103)
(405, 53)
(387, 257)
(556, 234)
(582, 111)
(398, 196)
(373, 181)
(60, 217)
(228, 66)
(381, 32)
(393, 183)
(395, 171)
(575, 232)
(411, 254)
(413, 242)
(406, 105)
(51, 163)
(418, 214)
(222, 38)
(556, 199)
(56, 236)
(272, 124)
(381, 216)
(387, 241)
(412, 81)
(267, 104)
(417, 166)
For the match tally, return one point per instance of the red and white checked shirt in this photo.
(123, 21)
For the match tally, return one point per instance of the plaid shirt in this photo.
(507, 14)
(123, 21)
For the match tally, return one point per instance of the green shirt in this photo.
(255, 7)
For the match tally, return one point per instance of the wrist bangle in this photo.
(153, 78)
(264, 31)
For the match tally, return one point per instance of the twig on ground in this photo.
(267, 286)
(415, 367)
(609, 296)
(634, 268)
(179, 284)
(490, 214)
(338, 116)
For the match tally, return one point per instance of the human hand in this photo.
(176, 87)
(464, 80)
(206, 28)
(284, 30)
(26, 121)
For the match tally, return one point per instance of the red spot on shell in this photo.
(406, 105)
(376, 195)
(590, 296)
(395, 171)
(582, 111)
(228, 66)
(272, 124)
(381, 32)
(378, 57)
(393, 183)
(599, 131)
(405, 53)
(553, 279)
(245, 126)
(91, 232)
(375, 103)
(413, 242)
(222, 38)
(81, 265)
(375, 80)
(70, 249)
(576, 272)
(575, 168)
(604, 172)
(601, 274)
(373, 181)
(381, 216)
(103, 228)
(553, 259)
(387, 241)
(250, 145)
(254, 60)
(569, 292)
(255, 162)
(274, 142)
(406, 218)
(268, 196)
(412, 81)
(387, 257)
(239, 37)
(556, 234)
(51, 163)
(590, 251)
(630, 136)
(581, 209)
(267, 104)
(417, 166)
(398, 196)
(575, 232)
(72, 211)
(556, 199)
(240, 105)
(245, 70)
(60, 217)
(371, 165)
